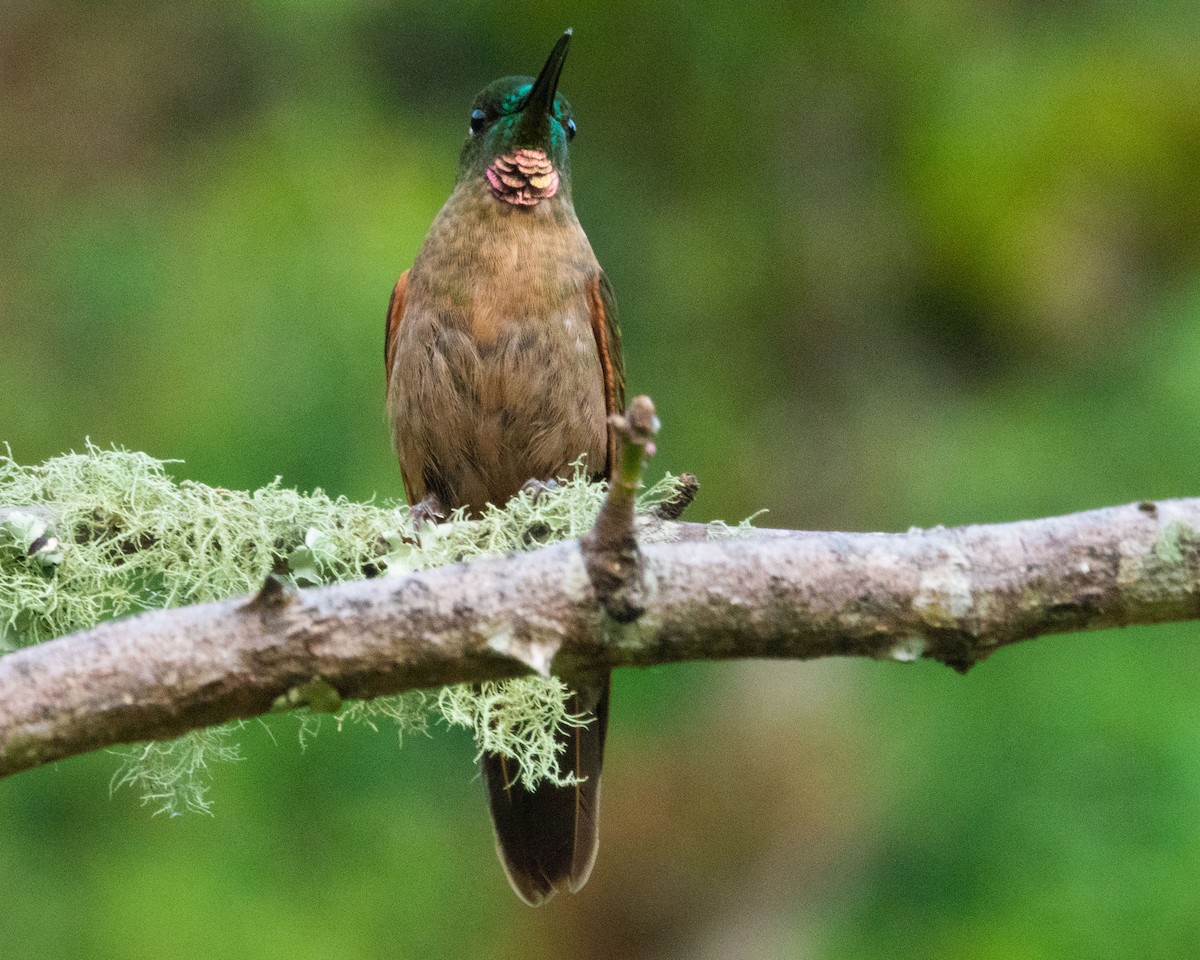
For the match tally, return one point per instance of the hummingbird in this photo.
(503, 359)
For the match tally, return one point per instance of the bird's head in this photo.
(518, 135)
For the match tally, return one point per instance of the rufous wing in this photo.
(603, 308)
(391, 335)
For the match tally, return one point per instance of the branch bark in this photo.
(953, 595)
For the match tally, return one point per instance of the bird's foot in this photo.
(536, 488)
(427, 512)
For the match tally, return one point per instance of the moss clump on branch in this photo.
(105, 533)
(131, 538)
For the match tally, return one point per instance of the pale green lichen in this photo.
(104, 533)
(132, 538)
(174, 776)
(720, 530)
(945, 595)
(517, 718)
(318, 696)
(408, 712)
(1173, 544)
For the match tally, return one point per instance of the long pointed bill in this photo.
(535, 114)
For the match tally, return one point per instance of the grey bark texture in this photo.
(953, 595)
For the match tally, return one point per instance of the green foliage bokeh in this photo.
(879, 265)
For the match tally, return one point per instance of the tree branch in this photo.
(954, 595)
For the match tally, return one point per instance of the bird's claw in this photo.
(536, 488)
(427, 512)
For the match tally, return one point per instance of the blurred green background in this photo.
(880, 264)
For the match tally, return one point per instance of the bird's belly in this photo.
(474, 419)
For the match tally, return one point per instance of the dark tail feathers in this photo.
(546, 838)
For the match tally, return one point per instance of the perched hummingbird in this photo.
(503, 360)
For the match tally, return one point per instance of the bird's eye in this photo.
(570, 128)
(478, 119)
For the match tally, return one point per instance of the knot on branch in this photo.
(610, 551)
(275, 594)
(687, 486)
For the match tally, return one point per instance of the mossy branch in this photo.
(92, 536)
(953, 595)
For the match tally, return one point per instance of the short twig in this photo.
(686, 488)
(610, 551)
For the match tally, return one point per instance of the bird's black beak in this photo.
(539, 105)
